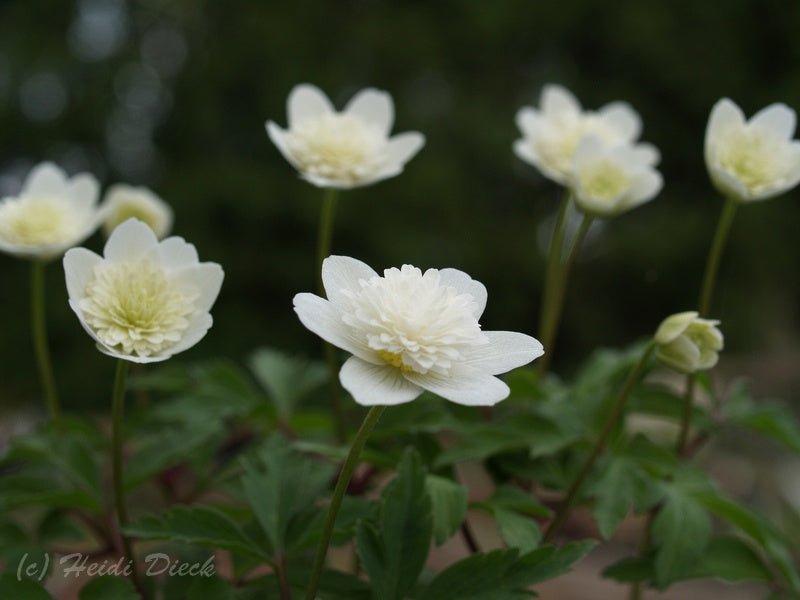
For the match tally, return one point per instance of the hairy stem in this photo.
(345, 474)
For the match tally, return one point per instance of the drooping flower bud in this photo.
(687, 343)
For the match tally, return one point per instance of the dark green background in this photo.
(458, 72)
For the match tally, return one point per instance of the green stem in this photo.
(325, 235)
(611, 422)
(338, 494)
(557, 300)
(686, 417)
(117, 409)
(39, 332)
(715, 255)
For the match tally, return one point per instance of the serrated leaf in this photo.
(773, 421)
(509, 497)
(518, 531)
(199, 525)
(282, 485)
(25, 589)
(448, 506)
(732, 560)
(105, 587)
(287, 378)
(394, 549)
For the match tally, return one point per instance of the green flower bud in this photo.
(688, 343)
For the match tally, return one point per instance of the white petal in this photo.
(322, 317)
(724, 115)
(506, 350)
(84, 191)
(673, 326)
(129, 241)
(372, 385)
(623, 118)
(306, 100)
(646, 154)
(326, 182)
(778, 118)
(401, 148)
(527, 120)
(196, 331)
(343, 273)
(44, 178)
(374, 107)
(467, 388)
(644, 188)
(79, 266)
(175, 253)
(524, 151)
(205, 278)
(278, 137)
(558, 99)
(466, 285)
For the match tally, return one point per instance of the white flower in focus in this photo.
(411, 331)
(53, 212)
(123, 202)
(142, 301)
(607, 181)
(755, 159)
(343, 149)
(688, 343)
(550, 135)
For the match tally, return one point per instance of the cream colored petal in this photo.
(343, 273)
(466, 285)
(470, 388)
(205, 278)
(528, 120)
(506, 350)
(79, 266)
(401, 148)
(278, 137)
(777, 118)
(84, 191)
(376, 385)
(625, 121)
(725, 115)
(45, 178)
(130, 241)
(196, 331)
(557, 99)
(306, 101)
(374, 107)
(176, 253)
(673, 326)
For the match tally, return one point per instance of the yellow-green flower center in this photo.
(604, 180)
(136, 309)
(751, 157)
(36, 221)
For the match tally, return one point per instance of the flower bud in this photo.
(688, 343)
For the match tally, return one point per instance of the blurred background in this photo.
(174, 94)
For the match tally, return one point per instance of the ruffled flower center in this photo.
(336, 146)
(135, 308)
(412, 321)
(603, 180)
(752, 156)
(560, 139)
(37, 220)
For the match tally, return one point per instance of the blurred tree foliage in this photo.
(173, 95)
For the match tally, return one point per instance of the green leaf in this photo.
(393, 550)
(105, 587)
(773, 421)
(681, 531)
(503, 574)
(24, 589)
(518, 531)
(622, 484)
(281, 486)
(448, 506)
(199, 525)
(509, 497)
(732, 560)
(287, 378)
(210, 588)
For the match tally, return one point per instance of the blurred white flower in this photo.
(343, 149)
(142, 301)
(688, 343)
(123, 202)
(755, 159)
(53, 212)
(411, 331)
(607, 181)
(550, 135)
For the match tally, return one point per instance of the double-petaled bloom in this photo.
(52, 213)
(752, 160)
(123, 202)
(552, 133)
(687, 343)
(142, 301)
(344, 149)
(411, 331)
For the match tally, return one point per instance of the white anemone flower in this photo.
(551, 134)
(123, 202)
(606, 181)
(53, 212)
(752, 160)
(344, 149)
(410, 331)
(142, 301)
